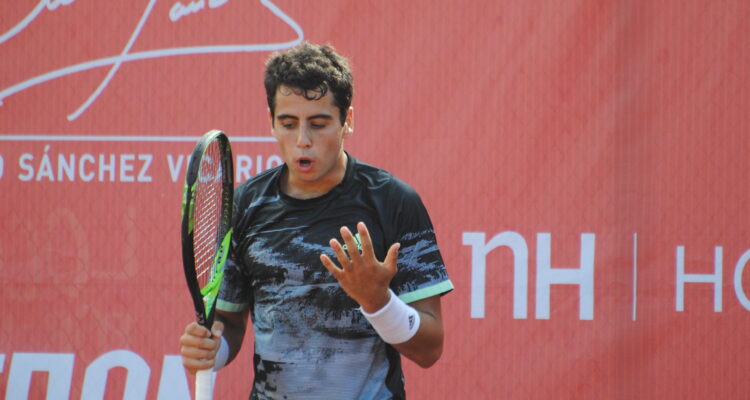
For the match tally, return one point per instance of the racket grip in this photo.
(204, 384)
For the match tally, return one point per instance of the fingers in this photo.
(359, 272)
(365, 241)
(217, 329)
(391, 258)
(198, 347)
(363, 255)
(194, 365)
(340, 253)
(197, 330)
(360, 247)
(330, 266)
(352, 247)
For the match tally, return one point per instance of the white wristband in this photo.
(222, 355)
(396, 322)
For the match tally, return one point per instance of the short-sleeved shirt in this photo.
(311, 339)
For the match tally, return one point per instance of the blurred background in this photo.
(585, 164)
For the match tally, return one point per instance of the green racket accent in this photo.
(211, 290)
(184, 205)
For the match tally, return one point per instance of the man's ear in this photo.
(349, 122)
(270, 118)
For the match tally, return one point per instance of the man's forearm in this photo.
(426, 347)
(234, 330)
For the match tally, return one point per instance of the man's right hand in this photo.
(198, 346)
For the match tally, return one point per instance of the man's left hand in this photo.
(362, 276)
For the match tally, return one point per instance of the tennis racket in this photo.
(207, 231)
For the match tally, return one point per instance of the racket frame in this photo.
(204, 300)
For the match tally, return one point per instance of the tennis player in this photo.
(335, 261)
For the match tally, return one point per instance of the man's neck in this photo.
(309, 190)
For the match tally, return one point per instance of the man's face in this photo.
(311, 140)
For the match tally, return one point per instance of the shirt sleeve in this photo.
(235, 291)
(234, 294)
(421, 270)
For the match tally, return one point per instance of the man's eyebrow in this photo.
(296, 118)
(324, 116)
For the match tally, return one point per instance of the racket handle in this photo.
(204, 384)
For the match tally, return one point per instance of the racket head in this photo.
(207, 221)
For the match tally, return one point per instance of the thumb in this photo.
(217, 329)
(391, 257)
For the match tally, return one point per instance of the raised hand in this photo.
(362, 276)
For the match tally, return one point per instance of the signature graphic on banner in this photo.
(177, 11)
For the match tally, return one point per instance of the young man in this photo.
(327, 252)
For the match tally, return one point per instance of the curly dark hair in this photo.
(310, 70)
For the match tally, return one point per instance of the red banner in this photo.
(585, 165)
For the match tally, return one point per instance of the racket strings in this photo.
(208, 213)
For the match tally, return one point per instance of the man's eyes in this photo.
(313, 125)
